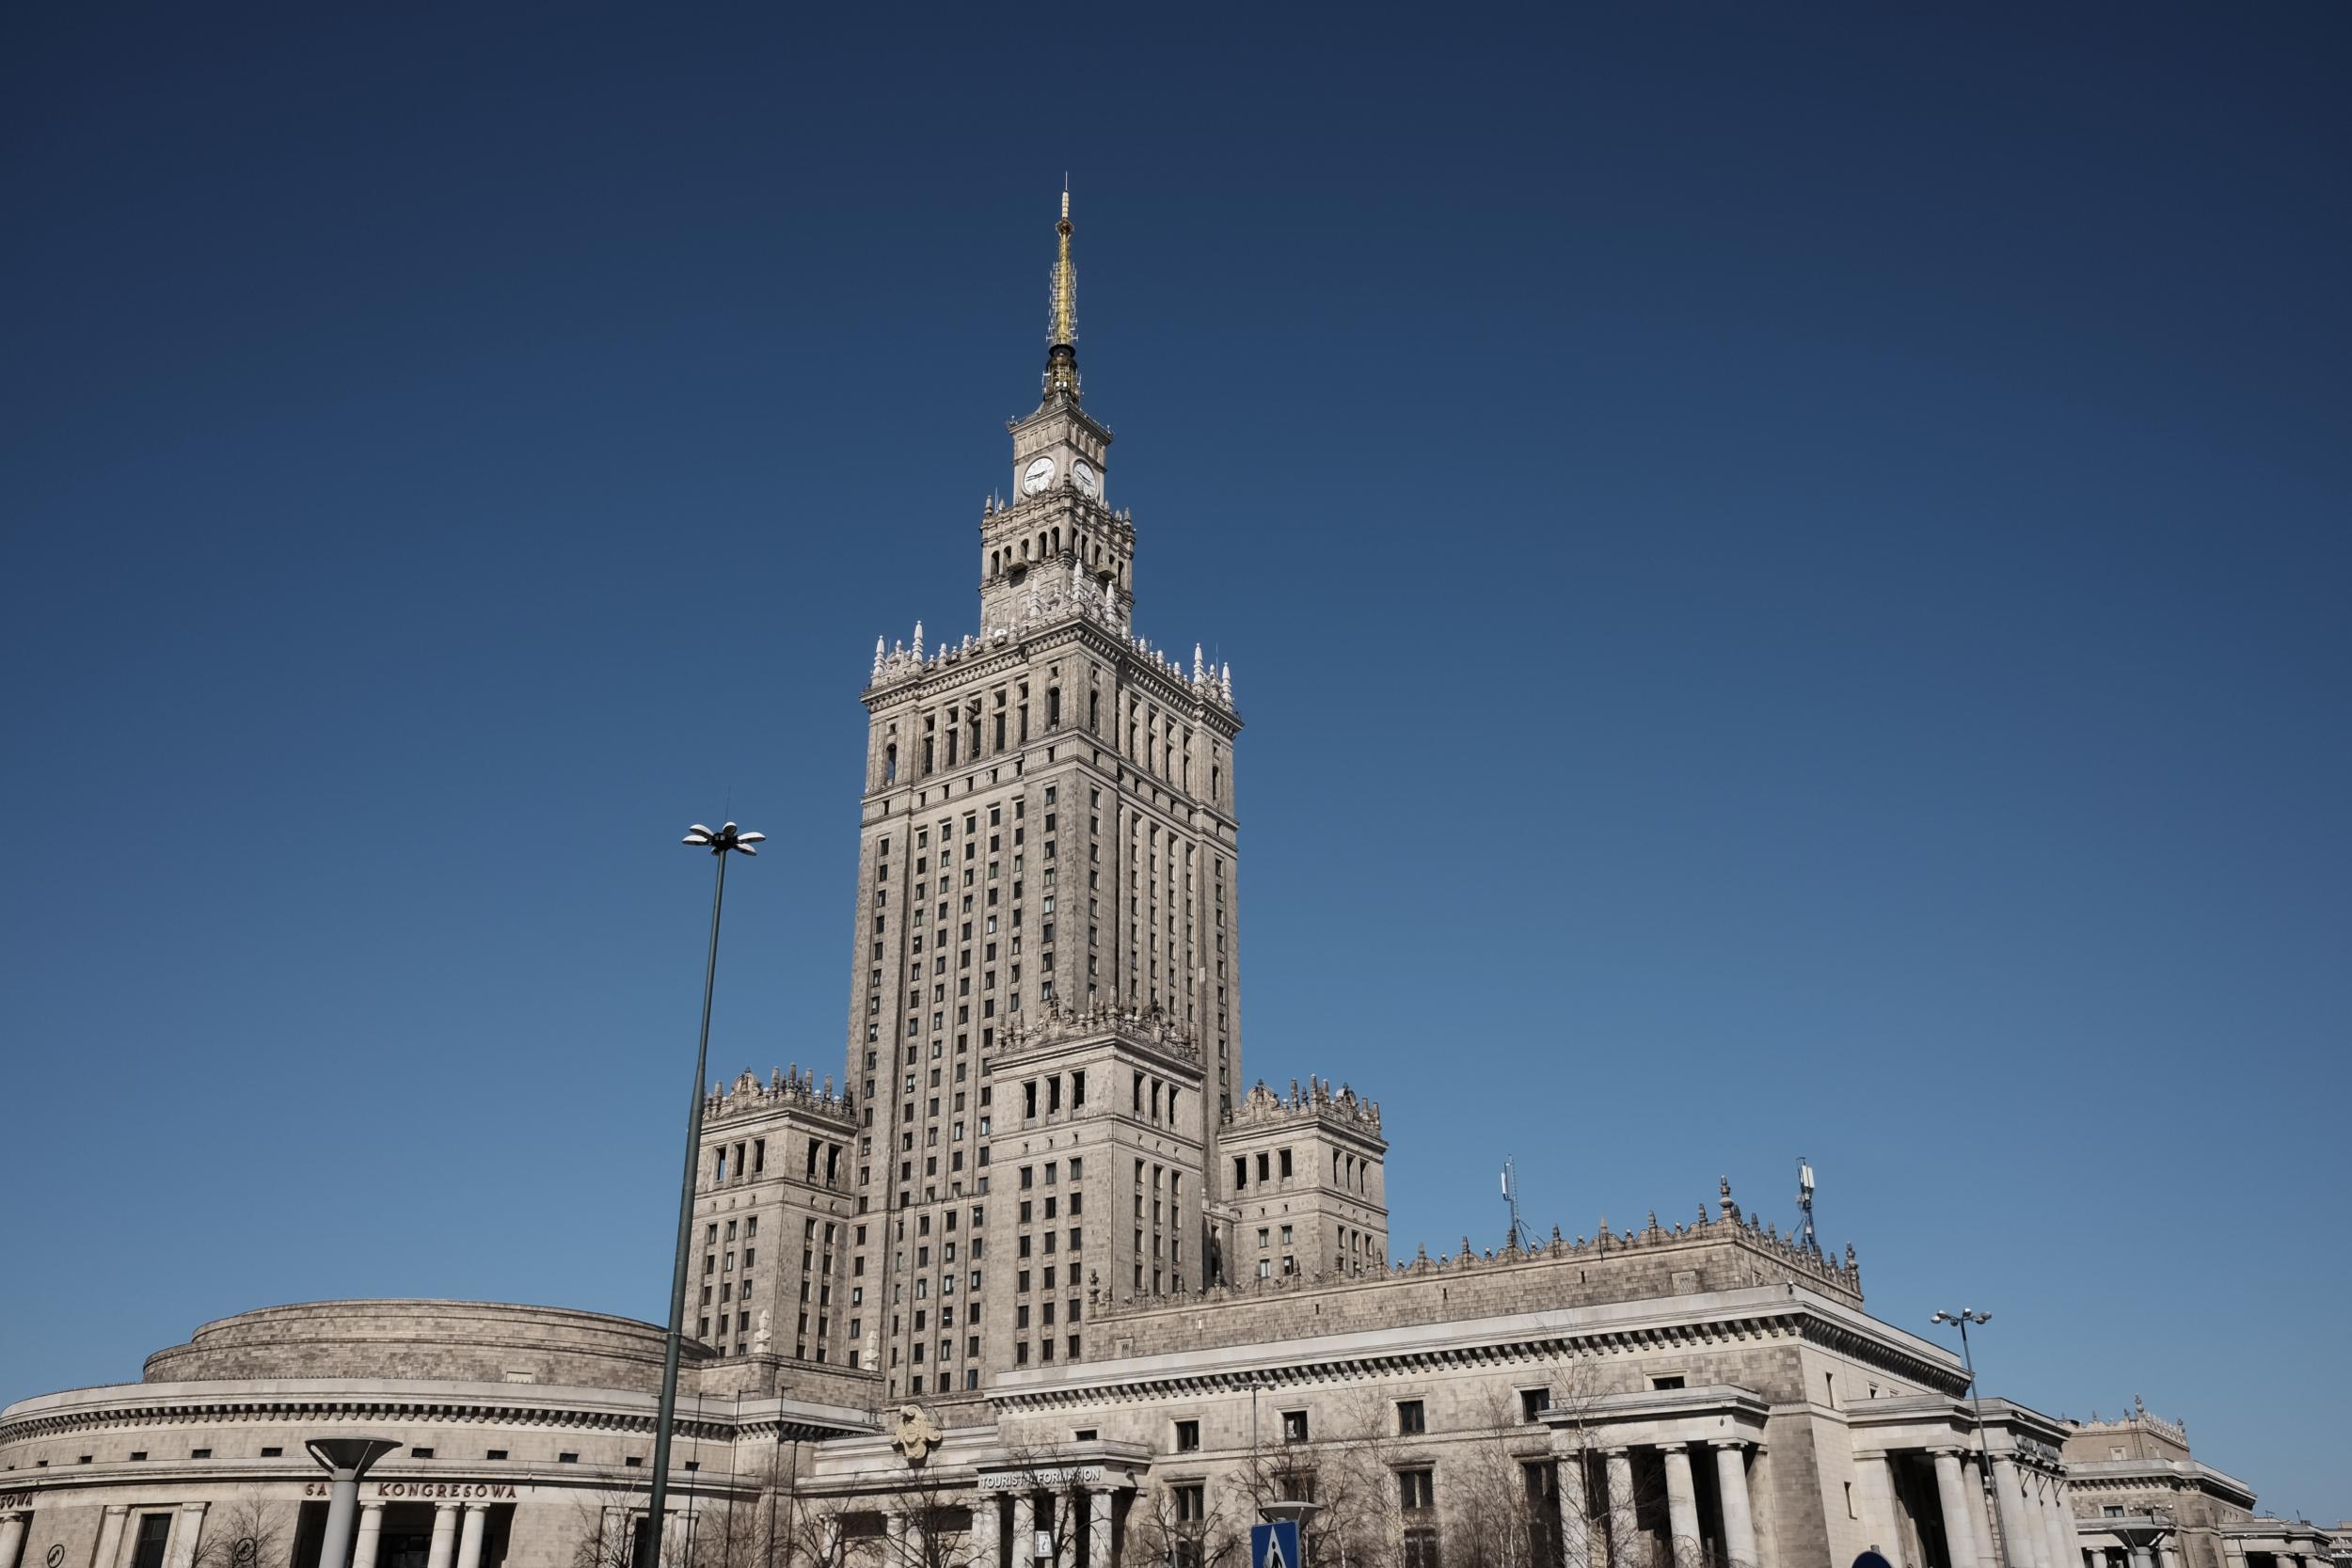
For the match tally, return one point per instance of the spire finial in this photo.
(1061, 358)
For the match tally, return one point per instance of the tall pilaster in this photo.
(185, 1534)
(1874, 1479)
(12, 1526)
(109, 1548)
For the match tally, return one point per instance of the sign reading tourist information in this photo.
(1044, 1480)
(1275, 1546)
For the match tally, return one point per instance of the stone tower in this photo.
(1045, 1018)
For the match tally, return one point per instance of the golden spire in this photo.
(1061, 358)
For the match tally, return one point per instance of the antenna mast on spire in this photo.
(1806, 1238)
(1518, 1237)
(1061, 346)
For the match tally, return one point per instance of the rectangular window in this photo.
(1411, 1417)
(1534, 1403)
(1294, 1426)
(154, 1531)
(1187, 1436)
(1415, 1489)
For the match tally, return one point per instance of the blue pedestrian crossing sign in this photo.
(1275, 1546)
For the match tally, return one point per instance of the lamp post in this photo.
(721, 842)
(344, 1459)
(1984, 1449)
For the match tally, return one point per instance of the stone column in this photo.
(1980, 1510)
(612, 1536)
(2022, 1545)
(1575, 1527)
(989, 1518)
(1099, 1529)
(2232, 1553)
(12, 1527)
(364, 1545)
(1023, 1529)
(2058, 1522)
(1682, 1507)
(1731, 1479)
(469, 1535)
(110, 1536)
(2169, 1552)
(1620, 1543)
(1951, 1495)
(443, 1553)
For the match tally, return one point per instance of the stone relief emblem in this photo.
(917, 1433)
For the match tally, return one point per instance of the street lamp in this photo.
(1984, 1449)
(721, 842)
(344, 1459)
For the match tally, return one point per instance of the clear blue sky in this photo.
(1786, 573)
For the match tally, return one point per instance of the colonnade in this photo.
(1742, 1544)
(459, 1529)
(1094, 1500)
(2035, 1525)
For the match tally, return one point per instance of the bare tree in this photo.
(1183, 1525)
(1602, 1524)
(246, 1532)
(1501, 1499)
(1345, 1466)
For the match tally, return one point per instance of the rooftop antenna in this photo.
(1806, 1238)
(1518, 1237)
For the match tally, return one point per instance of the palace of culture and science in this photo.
(1042, 1281)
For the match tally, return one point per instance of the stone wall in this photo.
(457, 1341)
(1657, 1263)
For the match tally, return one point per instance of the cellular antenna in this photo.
(1806, 1238)
(1518, 1237)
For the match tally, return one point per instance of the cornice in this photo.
(136, 1404)
(1566, 1334)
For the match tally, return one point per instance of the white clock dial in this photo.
(1082, 473)
(1037, 476)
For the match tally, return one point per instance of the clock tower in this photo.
(1057, 534)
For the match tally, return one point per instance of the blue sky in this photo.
(1786, 575)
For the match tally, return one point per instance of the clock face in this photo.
(1037, 476)
(1082, 474)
